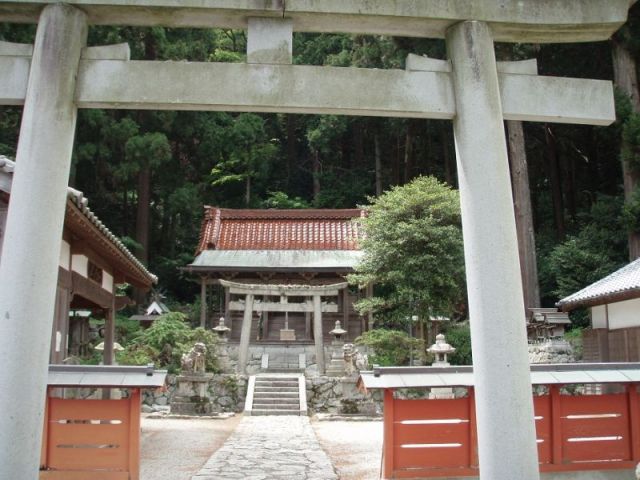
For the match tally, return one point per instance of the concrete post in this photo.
(245, 334)
(317, 333)
(506, 431)
(29, 268)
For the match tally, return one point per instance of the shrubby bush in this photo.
(164, 342)
(390, 347)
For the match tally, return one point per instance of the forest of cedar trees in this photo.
(149, 173)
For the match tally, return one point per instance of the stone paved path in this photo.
(270, 448)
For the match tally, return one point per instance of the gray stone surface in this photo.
(270, 448)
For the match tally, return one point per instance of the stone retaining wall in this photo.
(339, 395)
(226, 393)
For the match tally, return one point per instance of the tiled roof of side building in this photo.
(302, 229)
(623, 284)
(78, 199)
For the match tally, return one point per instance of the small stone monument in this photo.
(336, 367)
(441, 349)
(192, 396)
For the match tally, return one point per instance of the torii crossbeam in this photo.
(58, 75)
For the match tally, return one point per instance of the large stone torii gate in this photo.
(58, 75)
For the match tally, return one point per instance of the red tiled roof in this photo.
(228, 229)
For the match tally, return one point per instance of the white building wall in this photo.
(65, 255)
(624, 314)
(80, 264)
(599, 316)
(107, 282)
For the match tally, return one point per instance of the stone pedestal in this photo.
(192, 397)
(336, 367)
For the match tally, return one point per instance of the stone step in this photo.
(275, 412)
(283, 381)
(276, 384)
(278, 401)
(275, 393)
(275, 388)
(274, 406)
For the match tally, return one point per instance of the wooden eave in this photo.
(601, 300)
(123, 268)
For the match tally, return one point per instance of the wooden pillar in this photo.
(134, 434)
(227, 312)
(203, 302)
(108, 357)
(59, 347)
(33, 235)
(307, 325)
(265, 325)
(245, 334)
(556, 425)
(346, 307)
(388, 440)
(317, 333)
(634, 420)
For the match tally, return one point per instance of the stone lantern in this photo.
(441, 349)
(336, 367)
(338, 332)
(221, 329)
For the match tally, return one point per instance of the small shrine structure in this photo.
(92, 263)
(283, 274)
(613, 303)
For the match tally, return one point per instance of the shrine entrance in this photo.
(58, 75)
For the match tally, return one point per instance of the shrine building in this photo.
(280, 274)
(93, 262)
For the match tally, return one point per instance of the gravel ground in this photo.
(176, 449)
(355, 448)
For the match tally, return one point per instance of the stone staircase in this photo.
(276, 394)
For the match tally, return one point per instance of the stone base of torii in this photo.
(60, 76)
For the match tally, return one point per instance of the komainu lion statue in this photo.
(194, 361)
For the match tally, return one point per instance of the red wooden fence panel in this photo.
(436, 438)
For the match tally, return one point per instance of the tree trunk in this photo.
(358, 139)
(626, 78)
(247, 191)
(315, 170)
(449, 175)
(378, 158)
(408, 154)
(292, 147)
(556, 184)
(524, 214)
(396, 163)
(143, 212)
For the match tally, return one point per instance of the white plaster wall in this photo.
(107, 282)
(599, 316)
(65, 255)
(624, 314)
(79, 264)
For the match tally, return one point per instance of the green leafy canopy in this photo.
(412, 250)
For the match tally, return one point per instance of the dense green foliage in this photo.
(164, 342)
(299, 161)
(390, 347)
(412, 251)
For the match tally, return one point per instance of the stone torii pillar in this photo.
(34, 235)
(498, 332)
